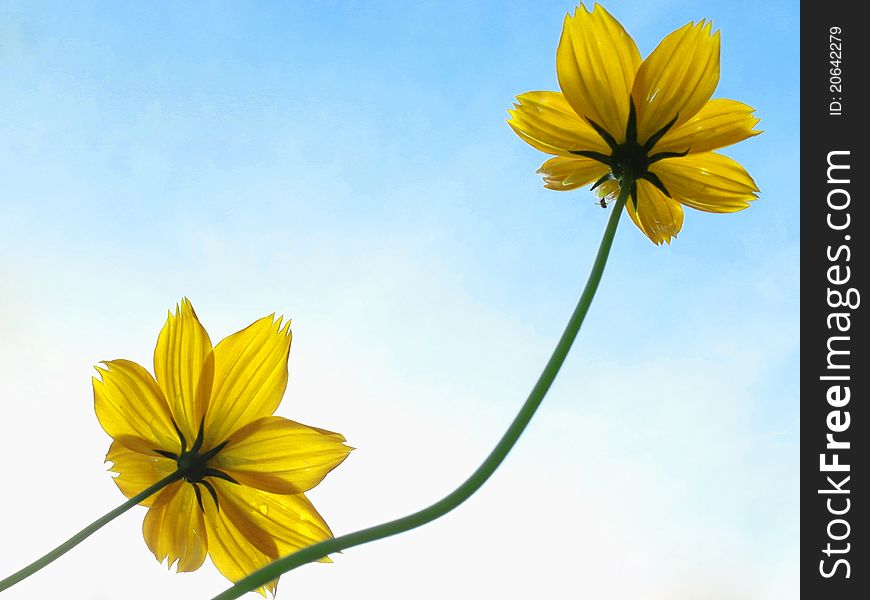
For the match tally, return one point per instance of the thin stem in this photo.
(486, 469)
(87, 531)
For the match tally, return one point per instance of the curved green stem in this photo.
(87, 531)
(485, 470)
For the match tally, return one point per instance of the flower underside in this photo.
(647, 127)
(234, 474)
(631, 159)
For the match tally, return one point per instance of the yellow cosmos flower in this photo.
(208, 413)
(652, 120)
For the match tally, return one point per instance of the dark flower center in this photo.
(193, 464)
(630, 159)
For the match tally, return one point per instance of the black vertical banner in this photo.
(835, 370)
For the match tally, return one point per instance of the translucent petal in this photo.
(250, 378)
(708, 181)
(596, 63)
(182, 360)
(719, 123)
(657, 216)
(174, 528)
(609, 189)
(562, 173)
(131, 408)
(288, 522)
(237, 546)
(281, 456)
(547, 122)
(136, 471)
(678, 78)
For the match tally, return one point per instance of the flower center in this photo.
(630, 160)
(629, 157)
(193, 464)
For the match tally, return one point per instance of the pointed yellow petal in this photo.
(719, 123)
(596, 63)
(562, 173)
(290, 522)
(609, 189)
(131, 408)
(237, 546)
(281, 456)
(183, 357)
(657, 216)
(136, 471)
(250, 378)
(678, 78)
(547, 122)
(708, 181)
(174, 528)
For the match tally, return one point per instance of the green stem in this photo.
(87, 531)
(485, 470)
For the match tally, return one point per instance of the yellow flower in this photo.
(653, 120)
(209, 412)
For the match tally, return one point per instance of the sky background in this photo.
(348, 165)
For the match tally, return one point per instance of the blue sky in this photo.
(348, 165)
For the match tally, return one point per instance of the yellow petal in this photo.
(136, 471)
(678, 78)
(707, 181)
(174, 528)
(657, 216)
(596, 63)
(252, 528)
(237, 547)
(547, 122)
(562, 173)
(131, 408)
(181, 359)
(250, 378)
(719, 123)
(281, 456)
(290, 522)
(609, 189)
